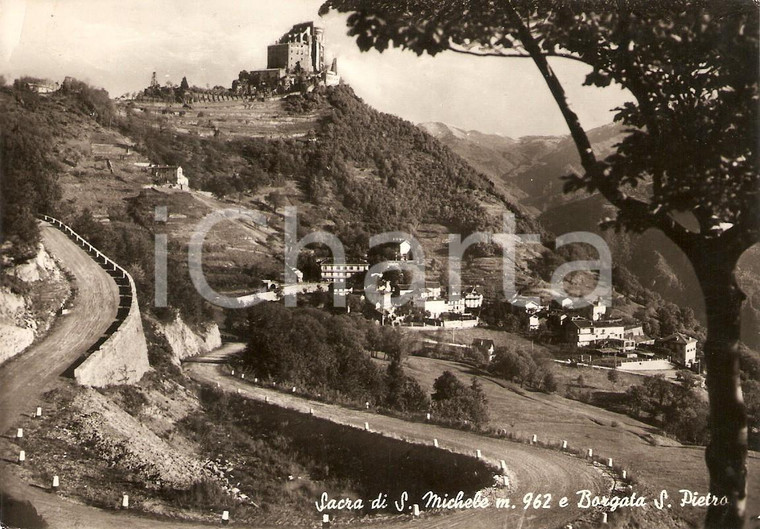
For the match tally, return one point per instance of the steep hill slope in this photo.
(347, 168)
(351, 170)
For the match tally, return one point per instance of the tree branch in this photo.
(595, 171)
(465, 51)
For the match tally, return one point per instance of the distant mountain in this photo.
(493, 155)
(532, 167)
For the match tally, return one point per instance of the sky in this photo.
(117, 44)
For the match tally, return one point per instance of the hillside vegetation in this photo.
(372, 170)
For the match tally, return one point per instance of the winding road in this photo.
(533, 469)
(24, 379)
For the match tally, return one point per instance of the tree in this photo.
(447, 386)
(454, 401)
(403, 392)
(692, 69)
(613, 376)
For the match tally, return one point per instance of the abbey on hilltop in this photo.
(295, 61)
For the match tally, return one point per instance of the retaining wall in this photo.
(120, 356)
(646, 365)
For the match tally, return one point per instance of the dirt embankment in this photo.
(186, 343)
(31, 294)
(162, 445)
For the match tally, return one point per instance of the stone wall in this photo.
(646, 365)
(120, 356)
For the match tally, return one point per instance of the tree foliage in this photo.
(455, 402)
(525, 368)
(678, 408)
(28, 184)
(329, 354)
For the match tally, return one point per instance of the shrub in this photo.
(455, 402)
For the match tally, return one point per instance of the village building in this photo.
(563, 303)
(456, 306)
(331, 272)
(403, 249)
(581, 332)
(431, 290)
(683, 348)
(528, 307)
(171, 175)
(635, 334)
(434, 307)
(596, 311)
(473, 299)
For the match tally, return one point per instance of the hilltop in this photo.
(348, 168)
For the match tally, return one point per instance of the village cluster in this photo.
(590, 328)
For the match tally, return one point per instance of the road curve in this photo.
(535, 469)
(23, 379)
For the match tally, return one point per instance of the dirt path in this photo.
(533, 469)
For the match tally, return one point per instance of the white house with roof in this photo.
(596, 311)
(473, 299)
(171, 175)
(582, 332)
(683, 347)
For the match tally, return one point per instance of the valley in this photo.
(258, 411)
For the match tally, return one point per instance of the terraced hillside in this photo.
(234, 118)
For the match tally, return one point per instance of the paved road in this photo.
(533, 469)
(23, 379)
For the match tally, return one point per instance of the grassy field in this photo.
(655, 461)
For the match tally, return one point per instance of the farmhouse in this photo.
(683, 347)
(169, 175)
